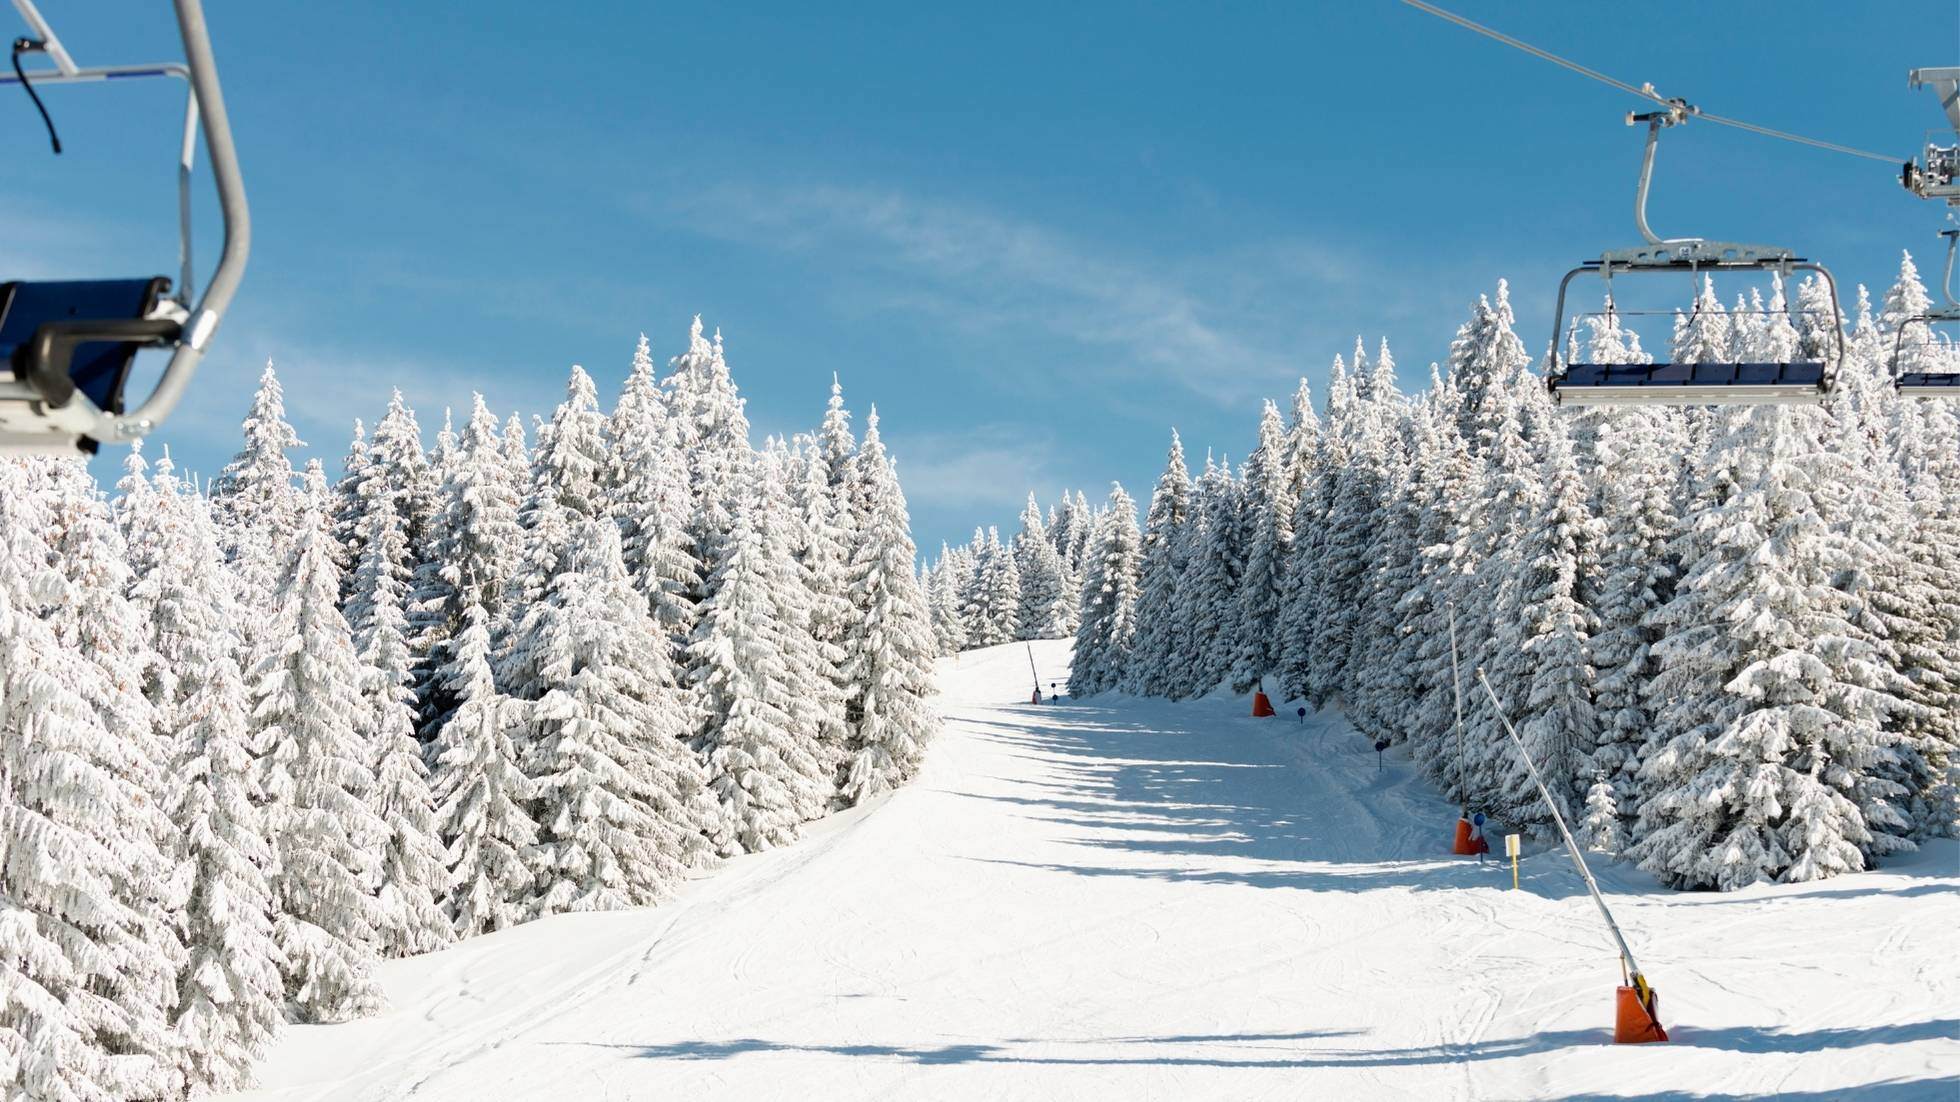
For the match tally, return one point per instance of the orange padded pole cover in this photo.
(1634, 1024)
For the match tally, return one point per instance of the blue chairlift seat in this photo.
(70, 336)
(1930, 384)
(1711, 384)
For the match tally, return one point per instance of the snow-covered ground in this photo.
(1129, 899)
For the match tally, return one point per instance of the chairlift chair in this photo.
(1798, 381)
(67, 346)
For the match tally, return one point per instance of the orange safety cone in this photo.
(1464, 845)
(1261, 706)
(1636, 1022)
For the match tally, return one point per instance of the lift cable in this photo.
(1644, 91)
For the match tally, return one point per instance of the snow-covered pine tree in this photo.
(1380, 685)
(1704, 334)
(1894, 610)
(819, 693)
(257, 507)
(81, 1017)
(567, 488)
(767, 775)
(347, 501)
(1358, 429)
(1269, 540)
(476, 557)
(319, 778)
(948, 576)
(1928, 640)
(837, 444)
(1602, 829)
(1447, 480)
(1635, 475)
(1109, 599)
(1044, 611)
(1311, 475)
(646, 485)
(1208, 599)
(480, 789)
(823, 558)
(888, 663)
(713, 432)
(622, 804)
(1547, 625)
(1147, 670)
(1178, 675)
(1485, 353)
(97, 620)
(1762, 717)
(227, 1005)
(1081, 535)
(999, 611)
(412, 875)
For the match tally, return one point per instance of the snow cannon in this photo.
(1463, 847)
(1261, 704)
(1636, 1018)
(1037, 696)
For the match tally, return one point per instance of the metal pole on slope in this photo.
(1456, 683)
(1037, 675)
(1639, 981)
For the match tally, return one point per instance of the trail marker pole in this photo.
(1302, 712)
(1625, 1031)
(1511, 847)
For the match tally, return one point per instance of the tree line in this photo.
(257, 734)
(1728, 636)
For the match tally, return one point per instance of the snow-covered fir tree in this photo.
(1109, 599)
(621, 803)
(1153, 652)
(481, 791)
(229, 998)
(1046, 611)
(888, 651)
(319, 780)
(768, 779)
(1268, 527)
(84, 1016)
(412, 875)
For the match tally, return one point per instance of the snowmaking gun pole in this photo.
(1463, 845)
(1640, 1022)
(1456, 686)
(1035, 673)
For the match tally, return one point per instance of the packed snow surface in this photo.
(1131, 899)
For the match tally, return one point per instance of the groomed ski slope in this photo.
(1128, 899)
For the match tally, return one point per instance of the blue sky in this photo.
(1036, 235)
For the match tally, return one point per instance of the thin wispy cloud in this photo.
(987, 467)
(1216, 325)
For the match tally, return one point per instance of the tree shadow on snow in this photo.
(1203, 799)
(1271, 1050)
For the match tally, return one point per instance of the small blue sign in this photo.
(1477, 819)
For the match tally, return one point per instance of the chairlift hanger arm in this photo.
(1945, 83)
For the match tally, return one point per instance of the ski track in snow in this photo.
(1130, 899)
